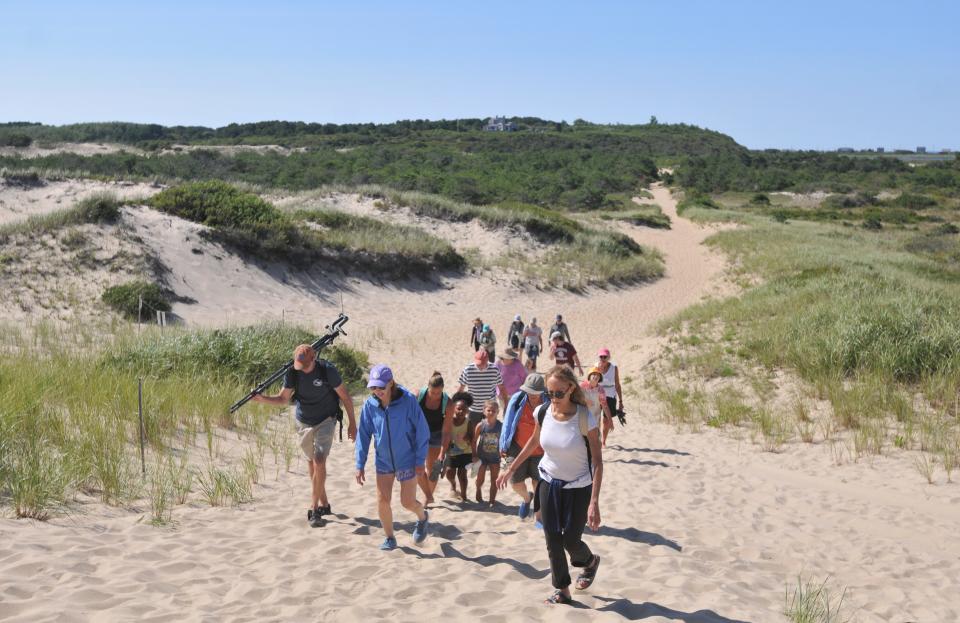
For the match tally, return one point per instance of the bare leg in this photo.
(494, 473)
(462, 477)
(480, 474)
(521, 489)
(384, 493)
(452, 479)
(318, 481)
(424, 479)
(408, 497)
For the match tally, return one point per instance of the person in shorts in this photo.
(518, 427)
(395, 421)
(457, 453)
(317, 392)
(486, 449)
(437, 408)
(532, 343)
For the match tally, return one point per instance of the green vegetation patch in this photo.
(244, 355)
(251, 225)
(126, 299)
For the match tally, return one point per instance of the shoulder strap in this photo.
(421, 394)
(540, 412)
(322, 370)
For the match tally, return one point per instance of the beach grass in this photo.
(868, 326)
(62, 435)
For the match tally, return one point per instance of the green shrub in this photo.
(912, 201)
(125, 299)
(101, 207)
(695, 200)
(245, 355)
(15, 140)
(760, 199)
(215, 204)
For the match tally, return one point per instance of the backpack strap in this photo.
(540, 412)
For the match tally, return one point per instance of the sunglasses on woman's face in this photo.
(604, 356)
(557, 395)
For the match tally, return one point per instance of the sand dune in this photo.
(696, 528)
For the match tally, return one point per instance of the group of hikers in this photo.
(552, 433)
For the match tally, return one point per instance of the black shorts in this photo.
(459, 461)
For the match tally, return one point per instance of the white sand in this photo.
(18, 203)
(697, 528)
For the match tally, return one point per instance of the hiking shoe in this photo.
(524, 510)
(388, 544)
(315, 518)
(325, 510)
(420, 530)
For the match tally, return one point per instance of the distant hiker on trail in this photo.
(488, 341)
(515, 334)
(518, 426)
(486, 442)
(459, 451)
(571, 471)
(437, 408)
(597, 402)
(611, 382)
(560, 327)
(475, 331)
(563, 352)
(400, 434)
(482, 380)
(532, 342)
(317, 392)
(512, 372)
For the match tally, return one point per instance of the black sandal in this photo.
(585, 579)
(558, 597)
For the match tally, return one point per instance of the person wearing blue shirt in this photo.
(393, 418)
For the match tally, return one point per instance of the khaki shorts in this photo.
(315, 441)
(528, 469)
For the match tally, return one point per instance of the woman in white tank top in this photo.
(610, 381)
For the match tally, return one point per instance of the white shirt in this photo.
(565, 450)
(609, 381)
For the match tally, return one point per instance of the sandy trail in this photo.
(697, 528)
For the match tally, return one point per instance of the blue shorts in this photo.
(435, 439)
(403, 475)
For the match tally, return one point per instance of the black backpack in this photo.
(322, 363)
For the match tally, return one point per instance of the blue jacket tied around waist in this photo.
(400, 433)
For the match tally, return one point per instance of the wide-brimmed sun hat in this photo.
(534, 384)
(508, 353)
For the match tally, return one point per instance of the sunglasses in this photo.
(604, 356)
(557, 395)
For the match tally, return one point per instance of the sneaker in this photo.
(315, 517)
(388, 544)
(325, 510)
(538, 525)
(524, 510)
(420, 531)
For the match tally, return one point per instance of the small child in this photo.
(458, 454)
(486, 449)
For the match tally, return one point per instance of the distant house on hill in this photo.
(880, 150)
(500, 124)
(921, 150)
(845, 150)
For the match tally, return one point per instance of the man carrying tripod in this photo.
(317, 391)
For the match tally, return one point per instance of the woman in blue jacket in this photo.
(393, 417)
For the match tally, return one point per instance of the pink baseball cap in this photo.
(603, 352)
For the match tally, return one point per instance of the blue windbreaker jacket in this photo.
(400, 433)
(512, 416)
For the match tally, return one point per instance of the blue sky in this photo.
(771, 74)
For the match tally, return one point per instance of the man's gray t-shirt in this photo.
(313, 397)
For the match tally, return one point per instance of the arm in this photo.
(576, 360)
(616, 381)
(422, 438)
(347, 401)
(476, 439)
(502, 394)
(280, 400)
(596, 457)
(445, 435)
(363, 443)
